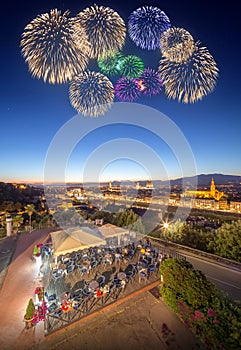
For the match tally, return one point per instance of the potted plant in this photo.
(40, 313)
(28, 317)
(40, 292)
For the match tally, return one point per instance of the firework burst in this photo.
(177, 44)
(145, 26)
(127, 89)
(151, 82)
(91, 93)
(55, 47)
(192, 79)
(131, 66)
(105, 29)
(109, 64)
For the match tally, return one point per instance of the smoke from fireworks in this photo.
(177, 44)
(91, 93)
(145, 26)
(131, 66)
(127, 89)
(109, 64)
(150, 82)
(55, 47)
(105, 29)
(192, 79)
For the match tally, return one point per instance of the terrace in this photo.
(84, 281)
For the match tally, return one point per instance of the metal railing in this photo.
(180, 250)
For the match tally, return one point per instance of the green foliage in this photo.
(210, 315)
(127, 218)
(227, 241)
(29, 310)
(105, 215)
(17, 221)
(15, 197)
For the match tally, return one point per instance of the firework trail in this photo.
(55, 47)
(192, 79)
(177, 44)
(131, 66)
(91, 93)
(105, 29)
(127, 89)
(150, 82)
(145, 26)
(109, 64)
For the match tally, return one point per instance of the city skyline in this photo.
(33, 112)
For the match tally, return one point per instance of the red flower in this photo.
(212, 313)
(199, 316)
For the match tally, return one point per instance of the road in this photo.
(225, 278)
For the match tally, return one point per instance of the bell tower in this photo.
(212, 189)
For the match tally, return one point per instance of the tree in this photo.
(210, 314)
(126, 218)
(18, 206)
(29, 209)
(138, 226)
(17, 221)
(227, 241)
(10, 206)
(174, 231)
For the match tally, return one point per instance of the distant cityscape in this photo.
(223, 197)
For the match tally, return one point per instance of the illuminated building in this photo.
(212, 193)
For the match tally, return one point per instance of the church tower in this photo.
(212, 189)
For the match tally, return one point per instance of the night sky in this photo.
(32, 111)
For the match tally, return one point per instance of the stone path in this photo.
(18, 286)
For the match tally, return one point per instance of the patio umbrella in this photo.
(69, 240)
(110, 230)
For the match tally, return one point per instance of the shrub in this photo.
(207, 312)
(29, 310)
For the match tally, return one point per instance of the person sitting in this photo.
(117, 257)
(123, 283)
(105, 289)
(143, 251)
(67, 295)
(98, 293)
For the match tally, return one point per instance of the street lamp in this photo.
(166, 225)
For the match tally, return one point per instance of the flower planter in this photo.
(28, 323)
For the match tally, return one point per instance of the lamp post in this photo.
(9, 221)
(166, 225)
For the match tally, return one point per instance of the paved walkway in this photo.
(141, 322)
(135, 323)
(7, 247)
(18, 286)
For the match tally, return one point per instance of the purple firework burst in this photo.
(150, 82)
(127, 89)
(145, 26)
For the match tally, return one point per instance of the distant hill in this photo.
(24, 194)
(205, 179)
(202, 179)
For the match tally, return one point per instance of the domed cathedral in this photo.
(213, 193)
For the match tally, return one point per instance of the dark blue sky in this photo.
(32, 111)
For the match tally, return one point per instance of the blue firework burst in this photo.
(145, 26)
